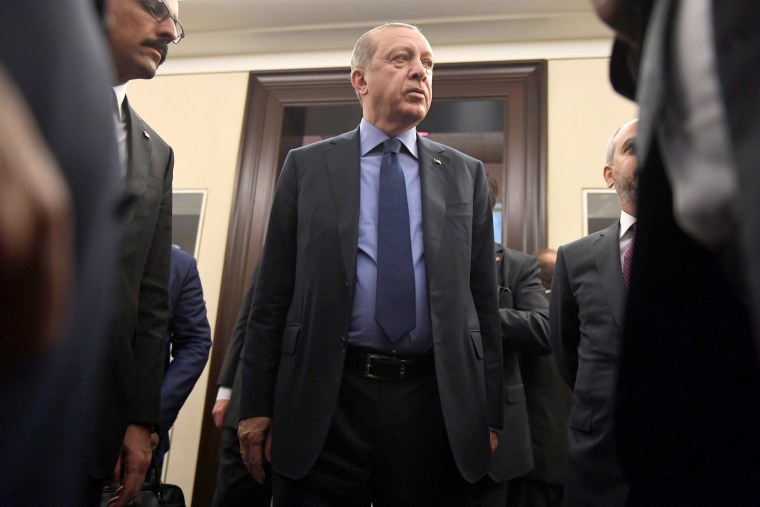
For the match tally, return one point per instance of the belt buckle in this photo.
(368, 366)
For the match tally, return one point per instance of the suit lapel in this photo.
(610, 271)
(344, 170)
(138, 161)
(138, 165)
(435, 169)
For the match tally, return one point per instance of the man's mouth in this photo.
(158, 47)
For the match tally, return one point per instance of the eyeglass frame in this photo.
(149, 6)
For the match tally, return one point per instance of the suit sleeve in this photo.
(525, 325)
(484, 288)
(235, 346)
(190, 344)
(271, 300)
(564, 322)
(153, 312)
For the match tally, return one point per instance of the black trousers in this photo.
(387, 445)
(235, 487)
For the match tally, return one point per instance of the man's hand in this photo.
(135, 458)
(494, 442)
(255, 438)
(219, 412)
(36, 233)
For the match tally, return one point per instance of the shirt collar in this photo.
(626, 221)
(370, 136)
(121, 92)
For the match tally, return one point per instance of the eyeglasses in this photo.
(160, 12)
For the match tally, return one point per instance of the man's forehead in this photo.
(627, 132)
(398, 36)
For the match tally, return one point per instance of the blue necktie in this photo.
(395, 311)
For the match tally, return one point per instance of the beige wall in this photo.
(584, 111)
(200, 115)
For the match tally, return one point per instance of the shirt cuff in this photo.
(224, 393)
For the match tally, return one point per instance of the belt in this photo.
(382, 367)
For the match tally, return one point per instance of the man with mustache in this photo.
(586, 316)
(138, 33)
(372, 362)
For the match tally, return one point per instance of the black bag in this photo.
(154, 493)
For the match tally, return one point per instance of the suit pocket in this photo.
(462, 209)
(290, 339)
(580, 418)
(477, 343)
(515, 393)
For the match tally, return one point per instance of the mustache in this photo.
(159, 45)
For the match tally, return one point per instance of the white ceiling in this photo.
(257, 27)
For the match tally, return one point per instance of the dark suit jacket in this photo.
(141, 317)
(49, 401)
(587, 312)
(296, 339)
(231, 373)
(524, 311)
(689, 392)
(524, 317)
(188, 340)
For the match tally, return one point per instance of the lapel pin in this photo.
(145, 133)
(436, 161)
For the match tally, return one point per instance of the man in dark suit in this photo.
(58, 194)
(547, 397)
(235, 487)
(587, 315)
(524, 314)
(689, 393)
(373, 357)
(188, 341)
(138, 34)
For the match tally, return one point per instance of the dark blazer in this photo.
(524, 315)
(188, 340)
(689, 389)
(231, 373)
(141, 317)
(524, 311)
(296, 339)
(49, 400)
(587, 312)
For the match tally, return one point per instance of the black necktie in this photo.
(395, 299)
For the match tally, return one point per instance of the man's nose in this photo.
(167, 29)
(419, 72)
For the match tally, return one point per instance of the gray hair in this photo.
(365, 47)
(610, 155)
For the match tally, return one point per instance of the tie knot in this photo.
(391, 146)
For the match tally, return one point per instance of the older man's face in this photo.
(397, 88)
(139, 43)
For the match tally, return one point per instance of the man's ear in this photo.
(608, 176)
(358, 81)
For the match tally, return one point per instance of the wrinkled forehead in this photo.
(392, 36)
